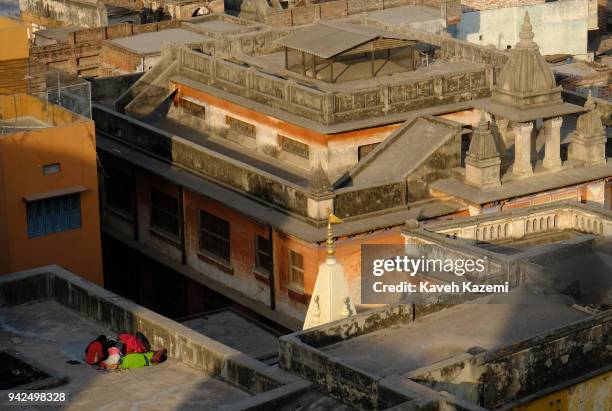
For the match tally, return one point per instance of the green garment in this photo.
(136, 360)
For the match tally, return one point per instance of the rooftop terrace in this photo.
(52, 335)
(498, 325)
(150, 43)
(22, 112)
(47, 315)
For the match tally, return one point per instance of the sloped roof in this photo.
(327, 40)
(401, 153)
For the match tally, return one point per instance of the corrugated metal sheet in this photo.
(327, 40)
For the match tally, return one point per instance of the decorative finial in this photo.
(331, 219)
(589, 104)
(526, 35)
(483, 125)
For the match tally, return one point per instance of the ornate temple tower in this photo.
(588, 142)
(526, 91)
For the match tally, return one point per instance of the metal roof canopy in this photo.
(327, 40)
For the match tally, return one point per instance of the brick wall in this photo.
(82, 53)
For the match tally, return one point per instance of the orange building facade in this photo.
(48, 189)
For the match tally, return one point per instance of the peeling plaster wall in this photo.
(70, 12)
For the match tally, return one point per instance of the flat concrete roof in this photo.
(51, 334)
(59, 34)
(20, 124)
(528, 114)
(406, 149)
(237, 332)
(150, 43)
(517, 188)
(235, 150)
(406, 14)
(219, 26)
(450, 333)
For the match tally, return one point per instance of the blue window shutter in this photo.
(54, 215)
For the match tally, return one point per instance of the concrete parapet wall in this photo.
(183, 344)
(181, 152)
(301, 354)
(501, 376)
(333, 108)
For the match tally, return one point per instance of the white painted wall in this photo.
(559, 27)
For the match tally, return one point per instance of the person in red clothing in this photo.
(136, 343)
(98, 349)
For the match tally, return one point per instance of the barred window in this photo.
(294, 147)
(263, 261)
(296, 270)
(164, 212)
(240, 127)
(118, 190)
(53, 215)
(214, 235)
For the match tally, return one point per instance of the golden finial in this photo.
(331, 219)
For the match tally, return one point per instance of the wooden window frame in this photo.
(292, 269)
(209, 232)
(158, 211)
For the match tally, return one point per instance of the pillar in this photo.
(522, 150)
(552, 154)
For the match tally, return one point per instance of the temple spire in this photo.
(589, 104)
(526, 35)
(483, 145)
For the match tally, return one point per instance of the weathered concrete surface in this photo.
(78, 13)
(149, 43)
(237, 332)
(206, 356)
(52, 334)
(497, 326)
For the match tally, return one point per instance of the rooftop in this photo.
(21, 123)
(48, 315)
(236, 331)
(406, 15)
(150, 43)
(49, 334)
(345, 37)
(219, 26)
(498, 325)
(22, 112)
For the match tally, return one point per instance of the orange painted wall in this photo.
(22, 156)
(14, 40)
(285, 128)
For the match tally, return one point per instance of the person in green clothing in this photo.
(139, 360)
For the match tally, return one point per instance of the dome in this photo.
(526, 81)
